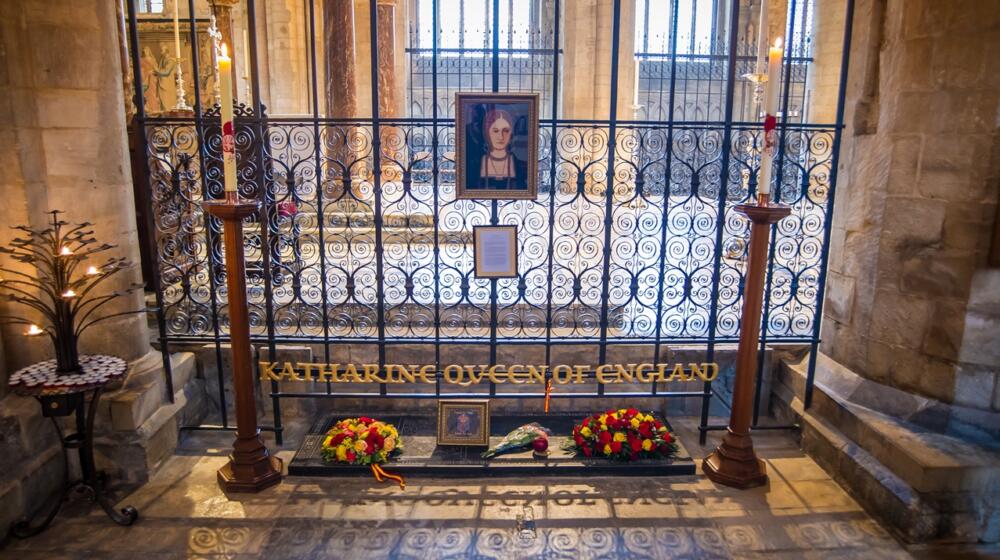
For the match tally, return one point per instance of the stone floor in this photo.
(802, 513)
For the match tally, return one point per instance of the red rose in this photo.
(631, 412)
(604, 438)
(369, 447)
(337, 439)
(586, 451)
(667, 438)
(616, 447)
(365, 420)
(351, 456)
(578, 439)
(635, 444)
(657, 424)
(645, 430)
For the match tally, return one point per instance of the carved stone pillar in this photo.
(392, 94)
(341, 64)
(391, 87)
(340, 49)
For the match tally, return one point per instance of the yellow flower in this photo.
(341, 453)
(635, 422)
(648, 418)
(620, 436)
(389, 444)
(603, 419)
(647, 444)
(585, 432)
(326, 442)
(607, 450)
(363, 435)
(360, 446)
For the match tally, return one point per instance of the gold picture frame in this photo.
(494, 250)
(464, 422)
(482, 172)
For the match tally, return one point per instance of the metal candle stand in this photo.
(63, 395)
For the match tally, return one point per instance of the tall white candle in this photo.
(177, 31)
(228, 138)
(635, 92)
(771, 89)
(762, 41)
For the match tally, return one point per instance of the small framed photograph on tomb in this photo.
(495, 251)
(464, 422)
(496, 145)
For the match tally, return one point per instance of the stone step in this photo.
(927, 484)
(138, 427)
(924, 458)
(144, 390)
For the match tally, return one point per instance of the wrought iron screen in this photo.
(360, 239)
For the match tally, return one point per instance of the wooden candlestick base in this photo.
(251, 467)
(734, 463)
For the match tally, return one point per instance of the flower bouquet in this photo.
(624, 434)
(361, 441)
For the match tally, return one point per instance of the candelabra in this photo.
(759, 80)
(59, 292)
(181, 104)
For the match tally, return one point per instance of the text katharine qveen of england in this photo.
(473, 374)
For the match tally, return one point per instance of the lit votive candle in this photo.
(33, 330)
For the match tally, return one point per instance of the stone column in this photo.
(65, 147)
(391, 82)
(824, 72)
(341, 63)
(223, 11)
(917, 198)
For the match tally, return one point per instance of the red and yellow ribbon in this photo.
(548, 394)
(379, 472)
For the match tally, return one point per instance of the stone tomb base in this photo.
(423, 457)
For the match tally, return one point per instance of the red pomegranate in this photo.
(540, 445)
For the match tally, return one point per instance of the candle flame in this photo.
(33, 330)
(778, 42)
(69, 294)
(223, 51)
(65, 251)
(92, 271)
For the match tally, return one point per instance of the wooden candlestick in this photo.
(734, 463)
(251, 467)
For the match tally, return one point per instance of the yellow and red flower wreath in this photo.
(625, 434)
(361, 441)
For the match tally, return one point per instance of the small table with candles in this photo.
(62, 395)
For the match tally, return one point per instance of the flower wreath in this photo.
(361, 441)
(624, 434)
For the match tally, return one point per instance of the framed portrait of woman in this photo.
(496, 145)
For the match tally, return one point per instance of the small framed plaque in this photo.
(495, 251)
(464, 422)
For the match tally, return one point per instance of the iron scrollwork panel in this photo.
(665, 208)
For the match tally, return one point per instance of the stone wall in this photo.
(63, 146)
(917, 196)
